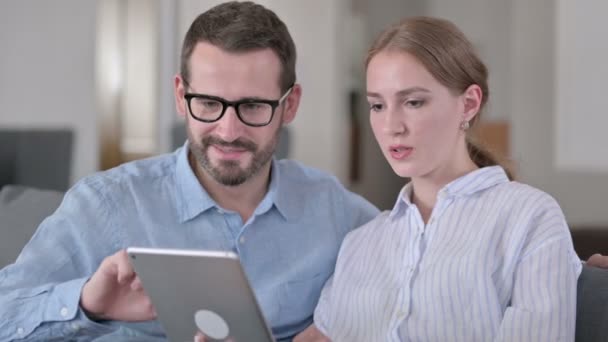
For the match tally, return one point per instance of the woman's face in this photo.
(416, 120)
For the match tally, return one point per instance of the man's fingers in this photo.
(150, 307)
(199, 337)
(136, 284)
(125, 269)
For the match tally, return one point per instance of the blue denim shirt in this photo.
(288, 247)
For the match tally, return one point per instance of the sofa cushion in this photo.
(8, 155)
(22, 209)
(40, 158)
(592, 305)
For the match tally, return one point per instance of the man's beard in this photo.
(228, 172)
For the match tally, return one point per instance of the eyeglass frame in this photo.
(274, 104)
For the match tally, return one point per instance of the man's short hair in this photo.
(241, 27)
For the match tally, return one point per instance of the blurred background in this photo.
(87, 84)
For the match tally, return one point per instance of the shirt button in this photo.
(75, 326)
(20, 331)
(242, 240)
(64, 312)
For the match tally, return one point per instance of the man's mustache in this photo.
(238, 144)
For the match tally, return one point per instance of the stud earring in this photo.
(464, 125)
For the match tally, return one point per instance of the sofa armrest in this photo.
(22, 209)
(592, 305)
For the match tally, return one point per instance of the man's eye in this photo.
(211, 104)
(251, 106)
(207, 105)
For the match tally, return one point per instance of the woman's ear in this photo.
(472, 99)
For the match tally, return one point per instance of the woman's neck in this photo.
(426, 188)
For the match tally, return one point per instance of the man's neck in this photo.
(244, 198)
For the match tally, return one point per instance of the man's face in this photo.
(228, 150)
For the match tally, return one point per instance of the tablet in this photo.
(200, 290)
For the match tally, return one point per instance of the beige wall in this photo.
(47, 71)
(581, 194)
(48, 49)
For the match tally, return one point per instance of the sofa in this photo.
(23, 208)
(39, 158)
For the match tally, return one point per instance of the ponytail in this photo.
(482, 157)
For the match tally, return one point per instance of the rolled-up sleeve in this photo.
(40, 292)
(48, 312)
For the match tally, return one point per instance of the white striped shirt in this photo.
(494, 263)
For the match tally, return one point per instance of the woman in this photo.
(466, 254)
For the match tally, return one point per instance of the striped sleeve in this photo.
(321, 314)
(543, 302)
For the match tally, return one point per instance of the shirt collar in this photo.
(471, 183)
(279, 195)
(403, 201)
(192, 199)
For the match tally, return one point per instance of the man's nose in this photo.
(229, 127)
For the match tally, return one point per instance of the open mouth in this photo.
(400, 152)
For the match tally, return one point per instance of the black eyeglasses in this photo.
(252, 112)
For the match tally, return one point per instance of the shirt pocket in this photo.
(299, 298)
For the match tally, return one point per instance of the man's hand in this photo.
(199, 337)
(598, 260)
(115, 292)
(311, 334)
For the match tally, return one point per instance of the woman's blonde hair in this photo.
(449, 56)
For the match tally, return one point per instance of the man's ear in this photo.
(472, 99)
(292, 102)
(179, 89)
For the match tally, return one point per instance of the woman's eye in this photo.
(375, 107)
(414, 103)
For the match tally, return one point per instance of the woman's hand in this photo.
(311, 334)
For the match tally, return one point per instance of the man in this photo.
(222, 190)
